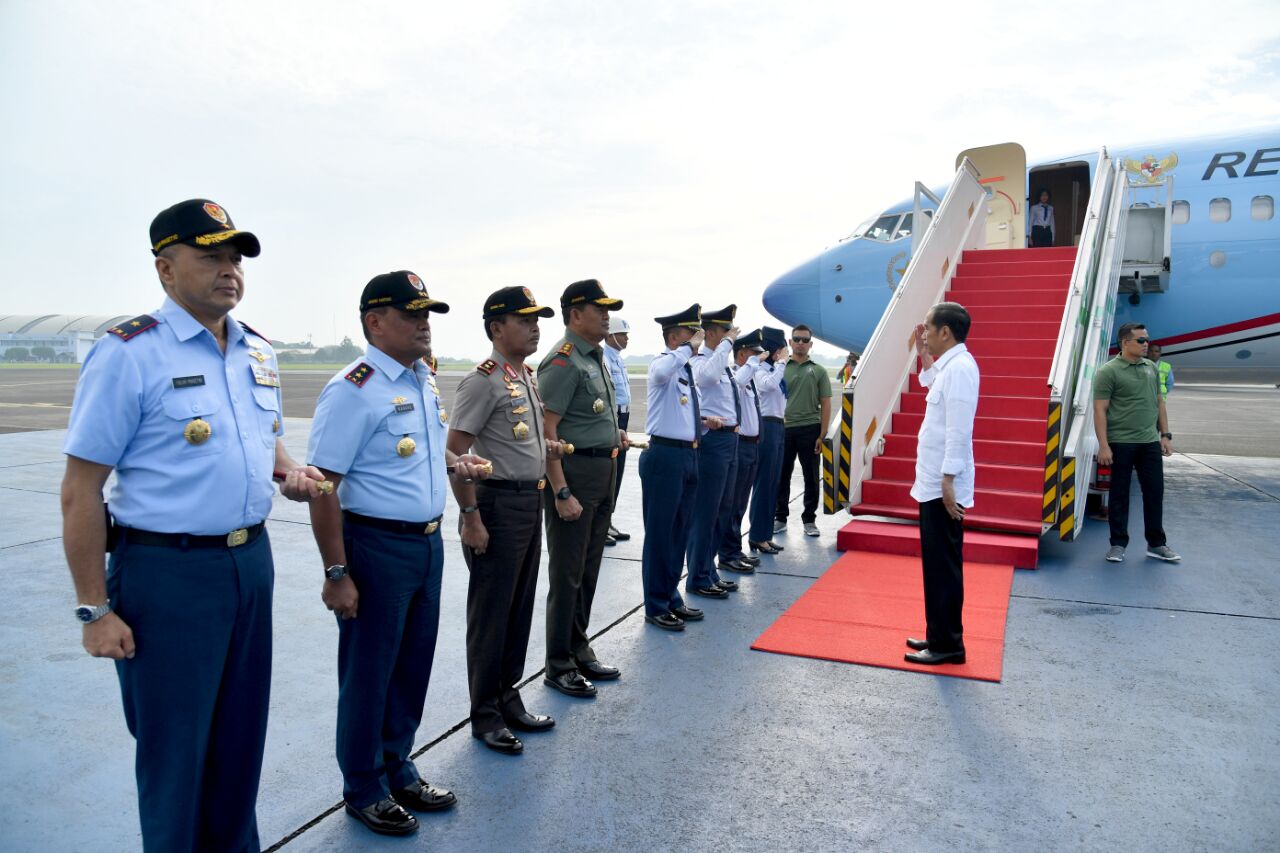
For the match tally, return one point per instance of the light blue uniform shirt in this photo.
(618, 372)
(671, 397)
(135, 399)
(753, 370)
(356, 431)
(716, 377)
(773, 403)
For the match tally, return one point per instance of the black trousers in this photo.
(500, 599)
(799, 441)
(1041, 237)
(1147, 460)
(941, 554)
(624, 418)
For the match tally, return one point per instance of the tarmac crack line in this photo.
(1238, 480)
(1148, 607)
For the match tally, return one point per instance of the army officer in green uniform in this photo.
(580, 410)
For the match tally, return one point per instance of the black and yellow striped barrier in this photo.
(835, 480)
(1052, 462)
(1067, 500)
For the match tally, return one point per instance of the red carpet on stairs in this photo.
(864, 607)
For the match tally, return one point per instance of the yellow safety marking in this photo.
(871, 430)
(1050, 495)
(1051, 470)
(1069, 469)
(946, 265)
(1054, 415)
(1052, 445)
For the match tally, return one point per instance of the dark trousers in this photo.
(668, 484)
(941, 554)
(764, 498)
(196, 693)
(799, 441)
(500, 603)
(717, 466)
(624, 418)
(384, 658)
(1147, 460)
(730, 522)
(575, 549)
(1041, 237)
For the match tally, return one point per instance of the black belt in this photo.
(672, 442)
(773, 420)
(598, 452)
(425, 528)
(234, 539)
(516, 485)
(749, 439)
(733, 428)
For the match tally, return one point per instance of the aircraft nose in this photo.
(794, 296)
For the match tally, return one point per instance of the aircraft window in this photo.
(1263, 207)
(904, 230)
(1181, 212)
(1220, 210)
(882, 230)
(861, 229)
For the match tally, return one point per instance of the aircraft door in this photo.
(1002, 170)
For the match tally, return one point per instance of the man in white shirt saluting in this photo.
(944, 477)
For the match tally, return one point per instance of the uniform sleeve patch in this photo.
(486, 367)
(567, 348)
(360, 374)
(132, 328)
(559, 362)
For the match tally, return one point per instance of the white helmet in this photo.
(619, 326)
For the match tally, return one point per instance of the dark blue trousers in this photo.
(717, 466)
(764, 500)
(730, 523)
(384, 658)
(668, 488)
(196, 693)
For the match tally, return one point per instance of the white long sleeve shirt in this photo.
(1042, 214)
(945, 443)
(773, 403)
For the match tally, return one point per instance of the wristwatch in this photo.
(88, 613)
(469, 508)
(563, 494)
(1167, 435)
(336, 572)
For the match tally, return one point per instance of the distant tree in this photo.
(17, 354)
(44, 353)
(339, 354)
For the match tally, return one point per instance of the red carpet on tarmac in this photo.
(866, 605)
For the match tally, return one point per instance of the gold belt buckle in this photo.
(542, 484)
(695, 445)
(236, 538)
(432, 527)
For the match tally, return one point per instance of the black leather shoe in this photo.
(609, 541)
(766, 547)
(688, 614)
(666, 621)
(421, 797)
(709, 592)
(930, 657)
(385, 817)
(598, 671)
(749, 559)
(527, 722)
(618, 535)
(736, 565)
(918, 645)
(501, 740)
(727, 586)
(571, 684)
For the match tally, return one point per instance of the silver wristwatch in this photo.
(336, 573)
(88, 613)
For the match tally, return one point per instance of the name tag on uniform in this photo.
(401, 408)
(683, 381)
(265, 376)
(188, 381)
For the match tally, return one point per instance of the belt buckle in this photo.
(236, 538)
(542, 484)
(695, 445)
(432, 527)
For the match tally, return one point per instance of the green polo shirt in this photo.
(576, 385)
(807, 384)
(1134, 391)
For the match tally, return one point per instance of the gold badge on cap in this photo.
(520, 430)
(406, 446)
(597, 406)
(198, 431)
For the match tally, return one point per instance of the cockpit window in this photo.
(882, 229)
(861, 229)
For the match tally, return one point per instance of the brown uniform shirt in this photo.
(501, 407)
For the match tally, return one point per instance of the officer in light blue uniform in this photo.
(669, 470)
(379, 433)
(746, 352)
(773, 408)
(184, 404)
(614, 343)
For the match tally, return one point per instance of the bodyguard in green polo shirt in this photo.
(1133, 434)
(807, 418)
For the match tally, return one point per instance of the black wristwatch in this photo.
(468, 509)
(1167, 435)
(336, 573)
(564, 494)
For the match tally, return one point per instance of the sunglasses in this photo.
(1142, 340)
(801, 340)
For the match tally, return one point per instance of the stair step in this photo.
(974, 283)
(1002, 386)
(981, 314)
(980, 546)
(1023, 506)
(1028, 367)
(1018, 346)
(989, 405)
(990, 429)
(1059, 253)
(1023, 298)
(984, 451)
(972, 521)
(1015, 268)
(1015, 478)
(1009, 329)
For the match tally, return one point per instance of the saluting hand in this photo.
(697, 339)
(921, 331)
(109, 637)
(733, 334)
(342, 597)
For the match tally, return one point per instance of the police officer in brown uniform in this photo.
(497, 410)
(580, 410)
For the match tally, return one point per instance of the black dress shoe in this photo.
(527, 722)
(727, 586)
(618, 535)
(735, 565)
(385, 817)
(766, 547)
(571, 684)
(421, 797)
(918, 645)
(749, 559)
(501, 740)
(598, 671)
(609, 541)
(930, 657)
(666, 621)
(688, 614)
(710, 592)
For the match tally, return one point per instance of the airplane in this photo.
(1214, 307)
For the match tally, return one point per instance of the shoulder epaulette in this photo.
(360, 374)
(486, 367)
(433, 364)
(133, 328)
(252, 330)
(528, 370)
(566, 349)
(558, 362)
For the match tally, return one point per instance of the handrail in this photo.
(917, 233)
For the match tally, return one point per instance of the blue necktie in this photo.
(693, 395)
(737, 402)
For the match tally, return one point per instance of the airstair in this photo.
(1041, 325)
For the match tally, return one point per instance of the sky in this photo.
(677, 151)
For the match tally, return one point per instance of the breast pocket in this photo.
(268, 410)
(934, 397)
(194, 417)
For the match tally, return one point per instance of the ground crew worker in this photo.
(379, 436)
(669, 470)
(497, 411)
(1163, 368)
(773, 406)
(580, 410)
(184, 405)
(614, 343)
(746, 353)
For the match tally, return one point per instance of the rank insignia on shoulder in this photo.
(131, 329)
(567, 349)
(251, 330)
(486, 367)
(360, 374)
(528, 370)
(510, 371)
